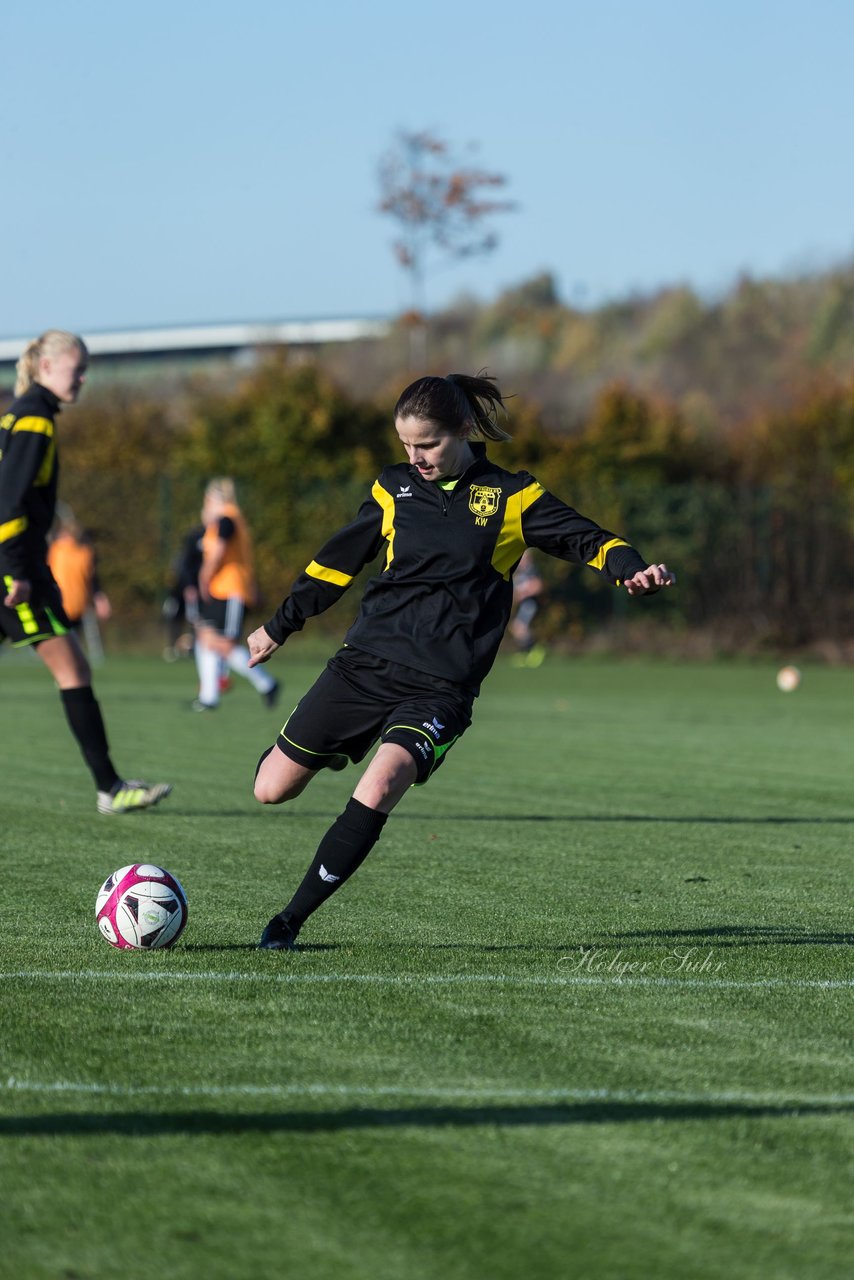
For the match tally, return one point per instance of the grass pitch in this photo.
(584, 1012)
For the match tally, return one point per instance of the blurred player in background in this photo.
(226, 588)
(51, 372)
(453, 525)
(528, 587)
(72, 561)
(180, 610)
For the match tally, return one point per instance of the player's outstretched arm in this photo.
(649, 580)
(261, 647)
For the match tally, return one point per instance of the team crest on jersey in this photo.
(483, 501)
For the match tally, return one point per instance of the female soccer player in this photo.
(226, 587)
(72, 561)
(454, 526)
(51, 372)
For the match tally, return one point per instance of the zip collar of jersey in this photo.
(53, 402)
(480, 461)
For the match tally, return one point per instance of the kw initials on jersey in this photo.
(483, 501)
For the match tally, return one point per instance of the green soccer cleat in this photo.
(128, 797)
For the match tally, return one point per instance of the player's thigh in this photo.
(65, 661)
(279, 778)
(387, 778)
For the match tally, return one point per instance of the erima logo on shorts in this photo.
(435, 728)
(424, 748)
(327, 875)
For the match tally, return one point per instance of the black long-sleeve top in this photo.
(29, 474)
(443, 598)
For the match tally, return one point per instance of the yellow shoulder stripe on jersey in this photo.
(12, 528)
(320, 571)
(510, 542)
(384, 499)
(598, 561)
(41, 426)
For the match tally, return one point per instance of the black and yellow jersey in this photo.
(443, 598)
(29, 472)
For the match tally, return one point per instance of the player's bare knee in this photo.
(280, 795)
(386, 781)
(265, 794)
(269, 790)
(274, 784)
(265, 788)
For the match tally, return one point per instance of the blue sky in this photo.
(192, 162)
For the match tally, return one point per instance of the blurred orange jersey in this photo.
(234, 577)
(72, 563)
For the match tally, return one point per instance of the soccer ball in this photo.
(788, 679)
(141, 907)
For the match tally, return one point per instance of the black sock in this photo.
(342, 851)
(87, 725)
(261, 761)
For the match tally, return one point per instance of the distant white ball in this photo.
(788, 679)
(141, 907)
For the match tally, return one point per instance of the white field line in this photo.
(428, 980)
(461, 1093)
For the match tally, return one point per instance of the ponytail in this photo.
(485, 402)
(27, 367)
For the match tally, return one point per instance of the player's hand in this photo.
(261, 647)
(19, 593)
(649, 580)
(102, 606)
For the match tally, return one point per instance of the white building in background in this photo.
(193, 348)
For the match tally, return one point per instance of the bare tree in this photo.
(440, 205)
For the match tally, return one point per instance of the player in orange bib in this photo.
(226, 587)
(71, 559)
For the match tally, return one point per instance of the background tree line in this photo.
(757, 517)
(762, 344)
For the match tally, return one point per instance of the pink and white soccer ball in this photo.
(141, 907)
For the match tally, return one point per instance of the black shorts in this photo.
(360, 699)
(40, 619)
(225, 616)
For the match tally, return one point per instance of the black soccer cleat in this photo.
(279, 935)
(271, 697)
